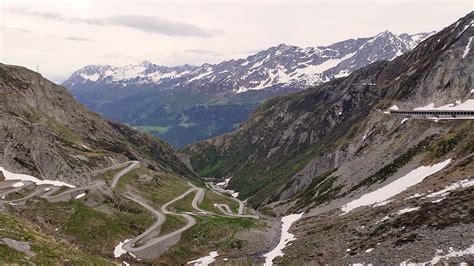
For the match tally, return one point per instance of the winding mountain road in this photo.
(147, 244)
(155, 246)
(46, 192)
(224, 208)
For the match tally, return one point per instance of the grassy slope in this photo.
(211, 197)
(48, 250)
(93, 230)
(210, 233)
(157, 188)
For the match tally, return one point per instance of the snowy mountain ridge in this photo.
(277, 67)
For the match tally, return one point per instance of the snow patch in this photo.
(93, 77)
(383, 203)
(80, 195)
(22, 177)
(18, 184)
(407, 210)
(468, 47)
(285, 238)
(233, 193)
(202, 75)
(465, 106)
(204, 261)
(403, 183)
(445, 191)
(260, 62)
(119, 251)
(438, 257)
(224, 184)
(342, 73)
(317, 69)
(438, 200)
(416, 195)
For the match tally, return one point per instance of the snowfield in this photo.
(403, 183)
(285, 238)
(465, 106)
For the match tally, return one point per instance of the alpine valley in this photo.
(361, 152)
(185, 104)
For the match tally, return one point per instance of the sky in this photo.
(60, 37)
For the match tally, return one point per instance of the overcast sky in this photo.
(62, 36)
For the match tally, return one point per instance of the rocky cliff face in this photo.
(45, 133)
(291, 140)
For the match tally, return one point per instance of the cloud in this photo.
(137, 22)
(16, 30)
(55, 16)
(119, 56)
(40, 34)
(75, 38)
(157, 25)
(202, 51)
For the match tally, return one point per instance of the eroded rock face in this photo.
(45, 133)
(291, 140)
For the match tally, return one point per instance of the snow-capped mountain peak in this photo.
(281, 66)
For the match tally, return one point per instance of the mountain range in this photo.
(188, 103)
(326, 175)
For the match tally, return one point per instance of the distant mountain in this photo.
(157, 97)
(283, 65)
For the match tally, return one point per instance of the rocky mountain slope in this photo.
(309, 133)
(333, 153)
(46, 133)
(168, 101)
